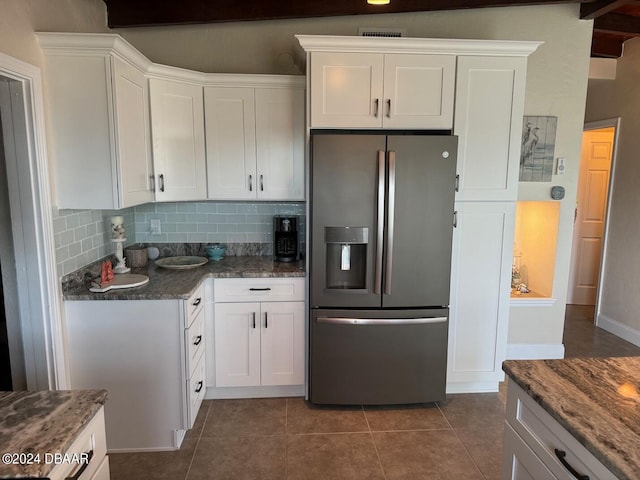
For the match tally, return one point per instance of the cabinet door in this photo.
(177, 121)
(133, 134)
(519, 462)
(488, 122)
(346, 89)
(418, 91)
(280, 143)
(237, 344)
(231, 149)
(282, 343)
(480, 288)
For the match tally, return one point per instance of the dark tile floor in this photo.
(285, 438)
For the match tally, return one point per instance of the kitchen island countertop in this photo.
(596, 400)
(180, 284)
(42, 422)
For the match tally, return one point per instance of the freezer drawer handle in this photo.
(380, 321)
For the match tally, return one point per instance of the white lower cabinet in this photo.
(150, 356)
(91, 443)
(537, 447)
(259, 343)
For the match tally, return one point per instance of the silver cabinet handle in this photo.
(391, 206)
(251, 183)
(380, 220)
(457, 183)
(455, 219)
(380, 321)
(152, 183)
(376, 107)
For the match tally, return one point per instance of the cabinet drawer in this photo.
(195, 338)
(196, 390)
(259, 289)
(195, 304)
(91, 439)
(545, 435)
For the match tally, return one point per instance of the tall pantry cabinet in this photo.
(475, 89)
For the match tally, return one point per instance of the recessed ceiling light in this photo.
(378, 2)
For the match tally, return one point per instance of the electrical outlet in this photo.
(560, 168)
(155, 226)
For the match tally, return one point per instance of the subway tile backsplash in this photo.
(83, 236)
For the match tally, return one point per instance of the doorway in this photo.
(592, 207)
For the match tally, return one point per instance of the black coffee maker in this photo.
(285, 238)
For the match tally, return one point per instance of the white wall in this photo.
(556, 80)
(608, 99)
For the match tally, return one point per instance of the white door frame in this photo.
(33, 235)
(596, 125)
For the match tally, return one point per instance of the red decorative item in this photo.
(106, 274)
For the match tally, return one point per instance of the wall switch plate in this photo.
(560, 167)
(155, 226)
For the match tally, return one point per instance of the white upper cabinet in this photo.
(99, 119)
(373, 90)
(255, 139)
(177, 123)
(488, 123)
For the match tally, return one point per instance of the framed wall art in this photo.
(538, 147)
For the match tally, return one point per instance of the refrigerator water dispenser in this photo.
(346, 257)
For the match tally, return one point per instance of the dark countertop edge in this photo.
(557, 414)
(42, 470)
(131, 294)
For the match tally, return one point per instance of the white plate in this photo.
(181, 263)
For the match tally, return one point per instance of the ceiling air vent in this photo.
(381, 32)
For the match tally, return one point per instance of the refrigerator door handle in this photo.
(380, 222)
(380, 321)
(390, 222)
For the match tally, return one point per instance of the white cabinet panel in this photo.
(177, 120)
(418, 91)
(133, 134)
(282, 343)
(280, 143)
(519, 462)
(237, 344)
(231, 149)
(480, 288)
(488, 122)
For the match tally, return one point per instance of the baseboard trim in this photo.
(619, 329)
(526, 351)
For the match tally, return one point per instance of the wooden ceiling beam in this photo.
(606, 47)
(130, 13)
(617, 24)
(598, 8)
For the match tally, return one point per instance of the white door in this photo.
(237, 344)
(280, 143)
(282, 343)
(346, 89)
(231, 144)
(134, 134)
(177, 122)
(418, 91)
(591, 211)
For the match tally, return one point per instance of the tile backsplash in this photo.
(83, 237)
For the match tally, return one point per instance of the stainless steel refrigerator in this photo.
(382, 219)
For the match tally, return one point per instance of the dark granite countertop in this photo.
(180, 284)
(43, 422)
(595, 399)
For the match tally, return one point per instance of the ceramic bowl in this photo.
(215, 252)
